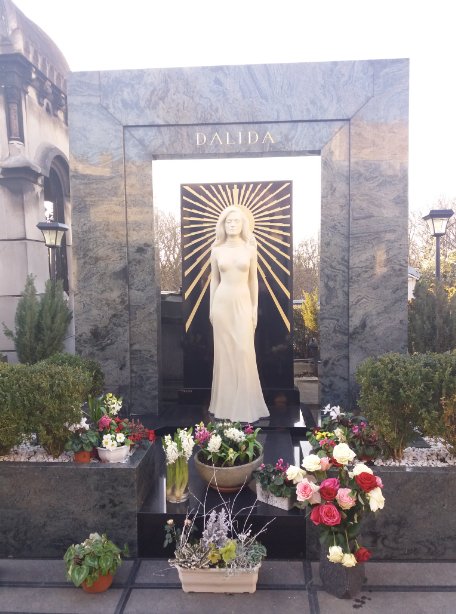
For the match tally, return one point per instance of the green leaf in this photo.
(78, 574)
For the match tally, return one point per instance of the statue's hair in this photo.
(220, 233)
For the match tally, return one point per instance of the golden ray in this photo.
(217, 204)
(197, 261)
(200, 196)
(248, 201)
(254, 202)
(267, 208)
(265, 226)
(269, 196)
(198, 219)
(227, 202)
(273, 258)
(198, 226)
(197, 278)
(268, 266)
(274, 298)
(219, 201)
(268, 212)
(208, 211)
(197, 303)
(274, 224)
(211, 234)
(263, 234)
(274, 247)
(197, 249)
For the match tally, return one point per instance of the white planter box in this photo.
(284, 503)
(218, 580)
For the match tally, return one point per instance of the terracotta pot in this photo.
(101, 584)
(218, 580)
(82, 457)
(227, 479)
(340, 581)
(118, 455)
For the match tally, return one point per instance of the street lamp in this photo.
(53, 234)
(437, 220)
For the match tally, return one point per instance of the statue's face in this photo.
(233, 224)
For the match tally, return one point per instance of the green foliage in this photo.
(12, 416)
(44, 399)
(401, 394)
(40, 325)
(82, 440)
(95, 556)
(432, 317)
(273, 479)
(92, 367)
(310, 312)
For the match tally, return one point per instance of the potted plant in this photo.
(273, 485)
(115, 442)
(345, 427)
(82, 441)
(93, 562)
(339, 493)
(221, 557)
(228, 454)
(178, 450)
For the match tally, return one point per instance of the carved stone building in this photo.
(33, 159)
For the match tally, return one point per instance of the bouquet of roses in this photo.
(339, 500)
(225, 444)
(345, 427)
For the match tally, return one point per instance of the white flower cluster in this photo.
(234, 434)
(214, 443)
(113, 404)
(334, 411)
(81, 425)
(187, 443)
(171, 450)
(111, 441)
(337, 555)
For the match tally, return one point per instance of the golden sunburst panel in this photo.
(270, 226)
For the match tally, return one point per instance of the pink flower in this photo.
(330, 515)
(104, 422)
(307, 491)
(201, 434)
(379, 481)
(315, 514)
(248, 430)
(325, 463)
(329, 488)
(345, 499)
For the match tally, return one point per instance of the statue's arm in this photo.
(253, 285)
(215, 280)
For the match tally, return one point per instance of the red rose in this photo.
(366, 481)
(315, 514)
(329, 488)
(362, 555)
(329, 514)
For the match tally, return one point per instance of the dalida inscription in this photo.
(238, 137)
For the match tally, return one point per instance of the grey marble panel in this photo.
(260, 93)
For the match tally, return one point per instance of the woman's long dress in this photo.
(236, 390)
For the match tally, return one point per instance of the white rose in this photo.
(311, 463)
(295, 474)
(343, 454)
(335, 554)
(361, 468)
(214, 443)
(376, 499)
(349, 560)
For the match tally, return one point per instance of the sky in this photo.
(111, 35)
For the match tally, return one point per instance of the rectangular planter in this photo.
(284, 503)
(418, 521)
(45, 507)
(218, 580)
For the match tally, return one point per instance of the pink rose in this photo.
(325, 463)
(329, 514)
(379, 482)
(315, 514)
(345, 499)
(329, 488)
(307, 491)
(104, 422)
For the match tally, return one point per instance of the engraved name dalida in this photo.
(240, 137)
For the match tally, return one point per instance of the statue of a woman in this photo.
(236, 390)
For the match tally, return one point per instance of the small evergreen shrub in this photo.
(44, 399)
(87, 364)
(12, 416)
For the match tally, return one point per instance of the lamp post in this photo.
(53, 234)
(437, 220)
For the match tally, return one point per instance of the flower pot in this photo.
(284, 503)
(101, 584)
(340, 581)
(118, 455)
(218, 580)
(82, 456)
(227, 479)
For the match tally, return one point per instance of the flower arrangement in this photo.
(114, 432)
(226, 444)
(82, 438)
(221, 545)
(338, 504)
(344, 427)
(274, 479)
(96, 556)
(178, 450)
